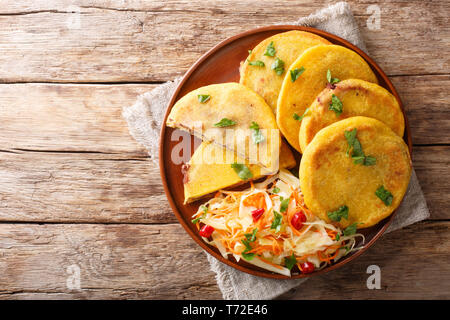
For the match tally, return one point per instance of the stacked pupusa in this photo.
(355, 167)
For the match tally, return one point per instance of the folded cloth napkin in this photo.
(144, 120)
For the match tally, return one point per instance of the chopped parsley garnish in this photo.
(296, 73)
(275, 190)
(249, 238)
(256, 133)
(276, 223)
(351, 229)
(300, 118)
(384, 195)
(257, 63)
(270, 50)
(284, 204)
(205, 210)
(290, 261)
(341, 212)
(278, 66)
(202, 98)
(336, 105)
(338, 236)
(358, 155)
(225, 123)
(330, 79)
(242, 171)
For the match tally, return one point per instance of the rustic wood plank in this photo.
(73, 117)
(96, 188)
(73, 187)
(158, 40)
(68, 117)
(406, 258)
(128, 261)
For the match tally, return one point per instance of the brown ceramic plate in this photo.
(221, 64)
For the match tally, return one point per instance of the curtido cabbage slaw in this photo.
(269, 226)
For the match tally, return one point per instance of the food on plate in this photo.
(355, 172)
(209, 111)
(348, 98)
(269, 226)
(202, 178)
(263, 70)
(297, 94)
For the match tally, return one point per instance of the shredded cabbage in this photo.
(238, 233)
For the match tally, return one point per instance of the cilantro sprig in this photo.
(203, 98)
(270, 50)
(276, 223)
(242, 171)
(284, 204)
(257, 136)
(336, 105)
(225, 122)
(203, 215)
(384, 195)
(290, 261)
(278, 66)
(257, 63)
(330, 79)
(249, 238)
(351, 229)
(357, 154)
(300, 118)
(296, 73)
(341, 212)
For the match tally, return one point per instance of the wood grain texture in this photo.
(149, 262)
(74, 117)
(76, 189)
(116, 41)
(57, 117)
(98, 188)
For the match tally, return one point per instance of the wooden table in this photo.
(76, 191)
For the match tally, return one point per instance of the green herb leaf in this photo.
(251, 236)
(290, 261)
(275, 190)
(336, 105)
(270, 50)
(370, 161)
(284, 204)
(351, 229)
(338, 237)
(341, 212)
(296, 73)
(350, 136)
(300, 118)
(358, 155)
(278, 66)
(202, 98)
(257, 63)
(242, 171)
(256, 133)
(225, 123)
(205, 210)
(248, 256)
(330, 79)
(384, 195)
(276, 223)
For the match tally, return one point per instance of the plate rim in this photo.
(162, 168)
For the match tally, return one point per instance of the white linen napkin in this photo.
(144, 120)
